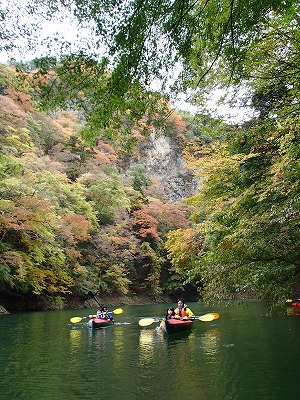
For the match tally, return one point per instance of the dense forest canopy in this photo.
(241, 232)
(181, 46)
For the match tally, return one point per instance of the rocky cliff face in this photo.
(162, 159)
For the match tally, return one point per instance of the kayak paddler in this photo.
(182, 311)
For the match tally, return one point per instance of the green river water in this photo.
(243, 355)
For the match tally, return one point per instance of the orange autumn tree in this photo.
(146, 225)
(152, 222)
(27, 239)
(168, 215)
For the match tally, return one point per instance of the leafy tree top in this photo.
(135, 43)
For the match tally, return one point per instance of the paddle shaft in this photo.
(94, 297)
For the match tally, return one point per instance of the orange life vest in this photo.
(181, 312)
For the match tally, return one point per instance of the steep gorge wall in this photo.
(162, 158)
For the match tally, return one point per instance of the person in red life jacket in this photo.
(182, 311)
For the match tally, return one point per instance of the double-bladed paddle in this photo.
(148, 321)
(92, 296)
(204, 318)
(74, 320)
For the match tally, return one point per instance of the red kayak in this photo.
(173, 325)
(99, 322)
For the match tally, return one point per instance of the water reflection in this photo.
(118, 345)
(75, 339)
(210, 341)
(290, 311)
(147, 355)
(146, 339)
(98, 338)
(179, 337)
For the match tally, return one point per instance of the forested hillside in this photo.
(70, 222)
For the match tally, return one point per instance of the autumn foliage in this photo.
(68, 219)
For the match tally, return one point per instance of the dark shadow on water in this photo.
(177, 336)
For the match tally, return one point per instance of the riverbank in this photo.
(127, 300)
(20, 303)
(132, 299)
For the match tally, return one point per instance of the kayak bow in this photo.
(172, 326)
(99, 322)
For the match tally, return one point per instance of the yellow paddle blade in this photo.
(118, 311)
(146, 321)
(208, 317)
(216, 315)
(76, 319)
